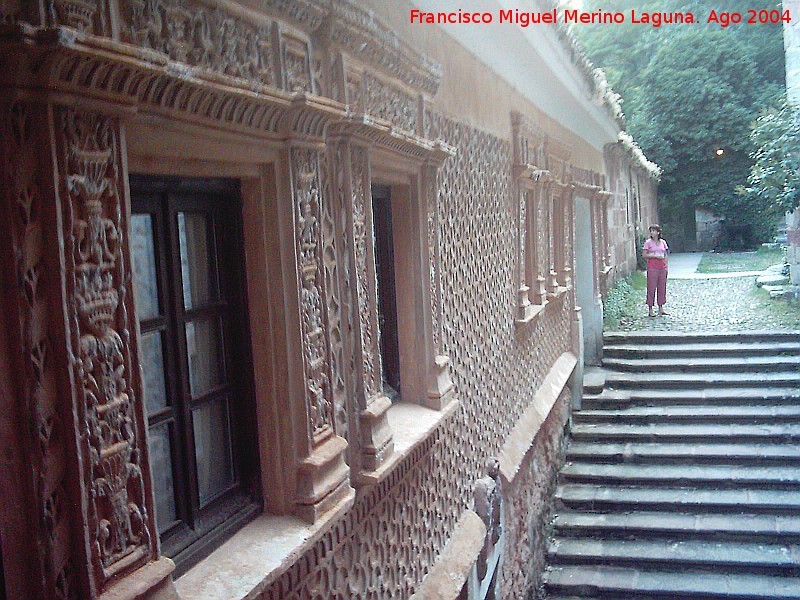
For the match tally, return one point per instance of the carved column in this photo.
(322, 479)
(439, 383)
(524, 307)
(376, 443)
(101, 341)
(79, 380)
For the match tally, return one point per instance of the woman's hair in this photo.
(657, 227)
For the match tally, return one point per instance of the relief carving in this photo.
(79, 14)
(210, 39)
(334, 257)
(297, 65)
(365, 275)
(48, 422)
(308, 213)
(390, 104)
(97, 281)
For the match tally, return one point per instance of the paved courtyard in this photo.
(709, 303)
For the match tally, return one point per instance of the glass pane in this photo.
(144, 266)
(206, 360)
(198, 285)
(161, 467)
(155, 389)
(212, 446)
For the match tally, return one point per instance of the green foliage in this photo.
(624, 301)
(690, 90)
(774, 179)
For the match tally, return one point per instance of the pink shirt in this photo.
(658, 250)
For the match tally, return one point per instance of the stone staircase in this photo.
(682, 477)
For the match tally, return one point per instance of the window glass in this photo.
(144, 266)
(198, 284)
(205, 355)
(161, 466)
(155, 390)
(212, 449)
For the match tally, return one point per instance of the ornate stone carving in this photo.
(365, 274)
(389, 103)
(120, 536)
(80, 14)
(45, 410)
(202, 37)
(295, 55)
(335, 260)
(342, 350)
(308, 213)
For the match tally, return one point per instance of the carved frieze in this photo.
(202, 37)
(99, 288)
(308, 215)
(389, 103)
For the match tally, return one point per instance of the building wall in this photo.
(305, 105)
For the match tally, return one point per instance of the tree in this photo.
(691, 93)
(774, 179)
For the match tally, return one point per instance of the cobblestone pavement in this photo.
(714, 305)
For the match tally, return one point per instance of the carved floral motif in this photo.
(99, 284)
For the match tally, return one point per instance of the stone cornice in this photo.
(382, 133)
(66, 61)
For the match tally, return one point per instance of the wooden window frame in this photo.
(198, 530)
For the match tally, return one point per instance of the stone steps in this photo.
(611, 399)
(693, 414)
(682, 477)
(619, 583)
(754, 364)
(679, 526)
(702, 350)
(733, 556)
(682, 453)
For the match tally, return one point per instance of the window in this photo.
(387, 293)
(197, 380)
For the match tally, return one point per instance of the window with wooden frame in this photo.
(186, 242)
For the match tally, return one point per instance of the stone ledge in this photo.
(450, 572)
(521, 439)
(150, 582)
(245, 565)
(411, 424)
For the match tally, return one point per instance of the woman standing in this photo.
(656, 251)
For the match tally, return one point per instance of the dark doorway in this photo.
(387, 293)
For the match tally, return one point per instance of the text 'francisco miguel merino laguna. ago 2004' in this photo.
(598, 17)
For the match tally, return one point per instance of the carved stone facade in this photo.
(309, 106)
